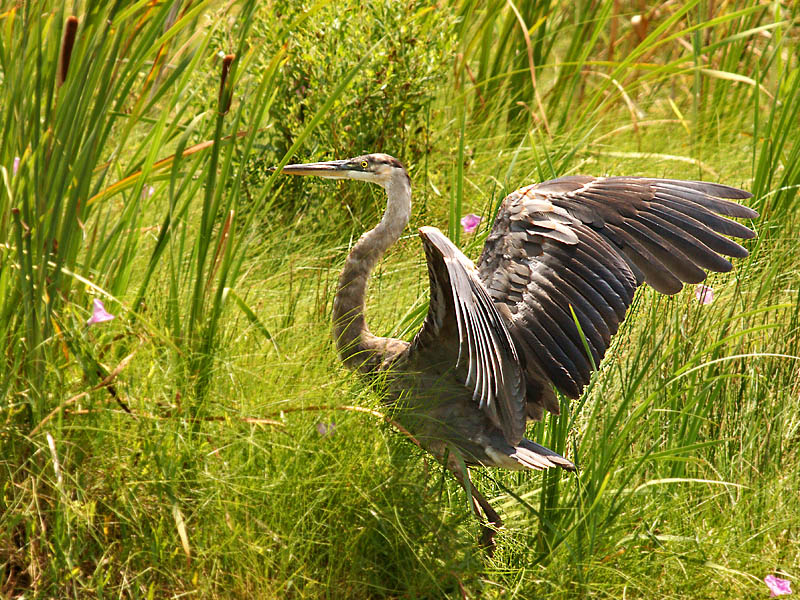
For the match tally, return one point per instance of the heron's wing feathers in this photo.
(580, 246)
(462, 312)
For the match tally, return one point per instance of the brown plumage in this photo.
(499, 338)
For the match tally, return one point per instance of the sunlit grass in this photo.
(218, 482)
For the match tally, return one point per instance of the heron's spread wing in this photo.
(581, 245)
(462, 315)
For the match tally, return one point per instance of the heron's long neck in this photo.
(358, 348)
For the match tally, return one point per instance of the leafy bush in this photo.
(405, 48)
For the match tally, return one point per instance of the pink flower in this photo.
(470, 222)
(99, 313)
(15, 168)
(704, 294)
(147, 191)
(326, 429)
(778, 586)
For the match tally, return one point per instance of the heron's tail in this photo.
(535, 456)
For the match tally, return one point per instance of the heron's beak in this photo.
(333, 169)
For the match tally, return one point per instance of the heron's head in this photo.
(375, 168)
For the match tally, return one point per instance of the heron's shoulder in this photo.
(552, 187)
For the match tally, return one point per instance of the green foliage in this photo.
(387, 100)
(206, 442)
(404, 50)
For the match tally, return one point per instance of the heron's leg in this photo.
(477, 501)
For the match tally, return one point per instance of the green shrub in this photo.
(406, 49)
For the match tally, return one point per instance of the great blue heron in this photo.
(499, 337)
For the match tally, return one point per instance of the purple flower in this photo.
(15, 168)
(778, 586)
(326, 429)
(99, 313)
(470, 222)
(704, 294)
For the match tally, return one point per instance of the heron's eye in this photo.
(364, 164)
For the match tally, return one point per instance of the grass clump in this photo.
(202, 442)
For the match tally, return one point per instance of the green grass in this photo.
(175, 451)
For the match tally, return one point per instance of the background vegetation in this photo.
(203, 442)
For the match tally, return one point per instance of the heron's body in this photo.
(501, 336)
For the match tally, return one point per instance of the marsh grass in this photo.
(223, 460)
